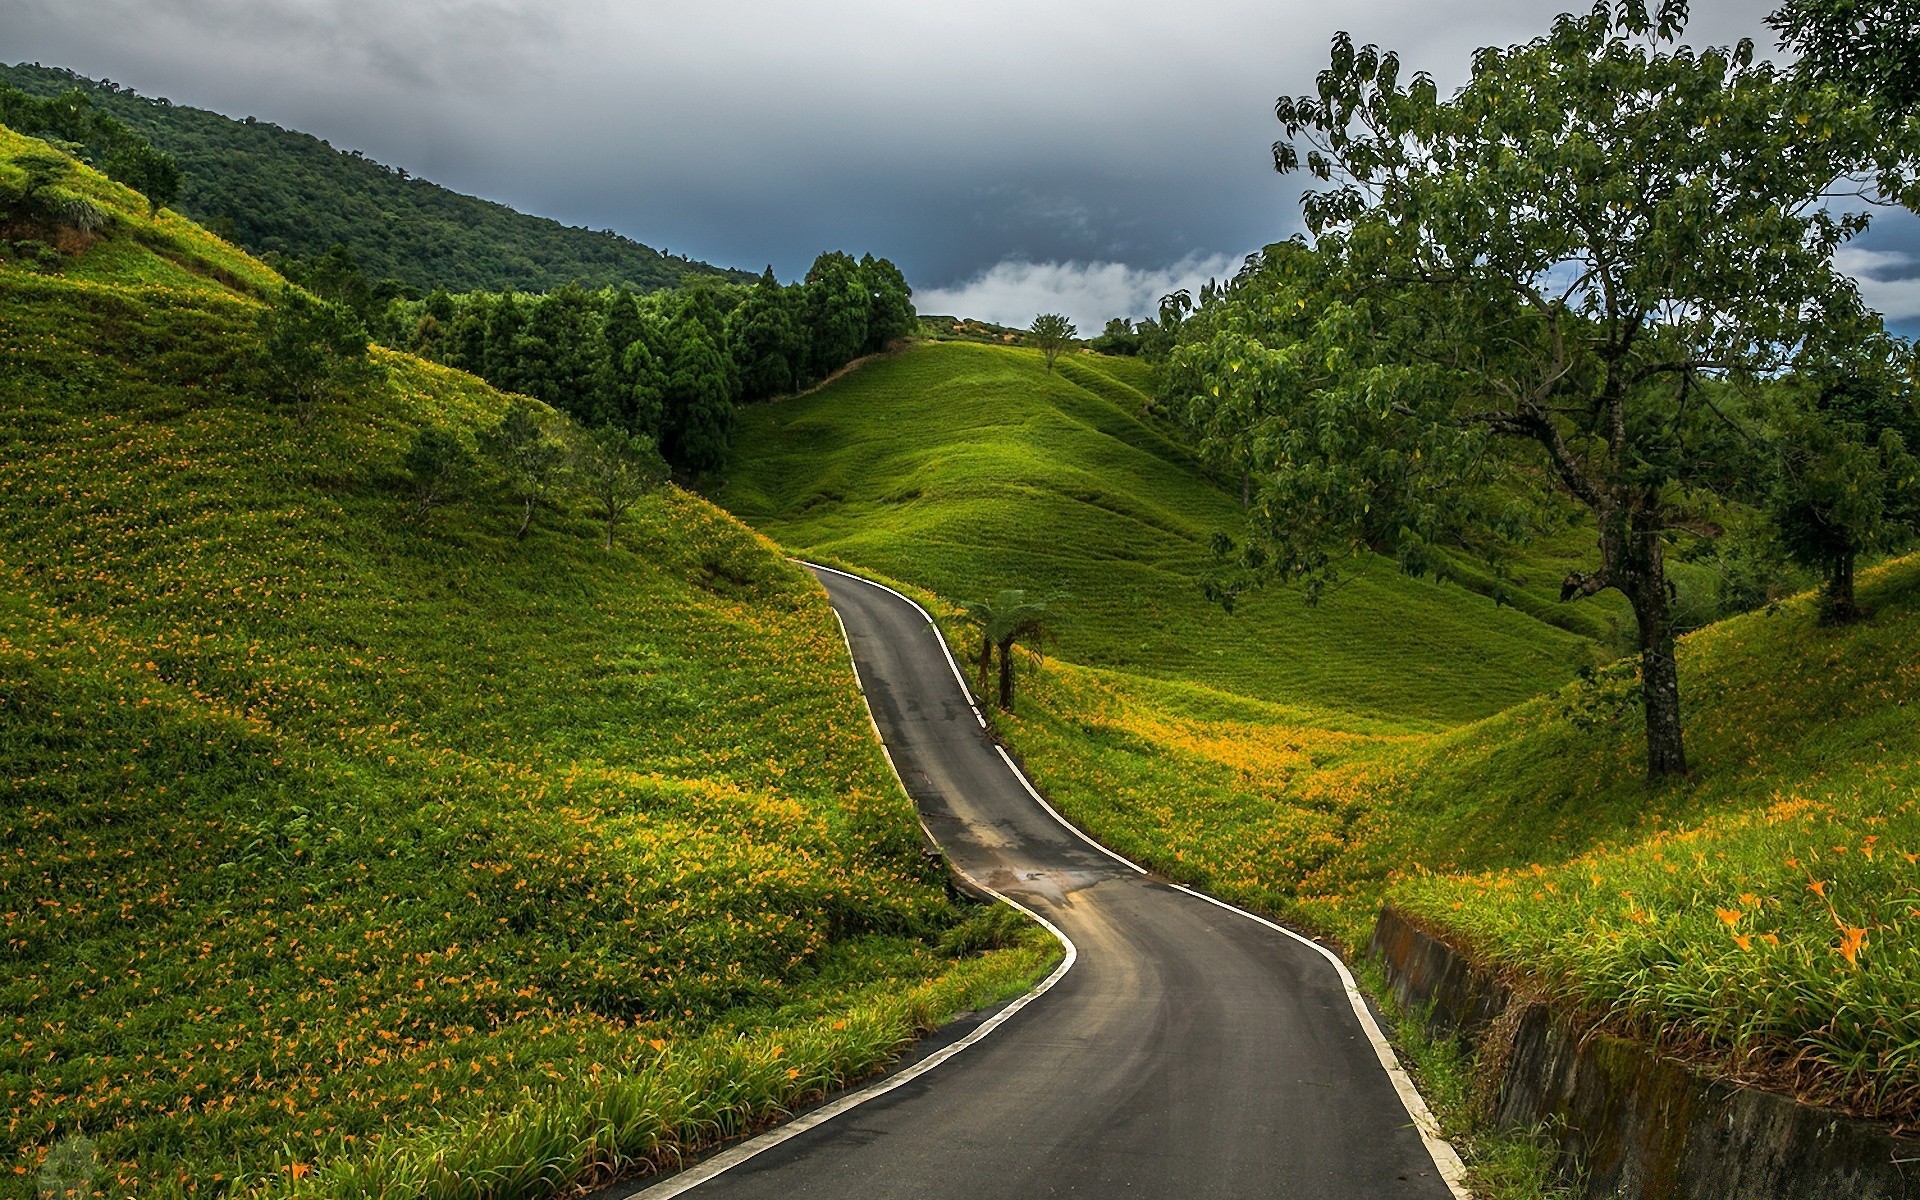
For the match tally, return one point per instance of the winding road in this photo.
(1188, 1050)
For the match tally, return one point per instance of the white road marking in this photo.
(1445, 1158)
(944, 648)
(721, 1163)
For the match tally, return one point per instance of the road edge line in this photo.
(720, 1164)
(1446, 1159)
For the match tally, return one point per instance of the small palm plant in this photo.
(1011, 618)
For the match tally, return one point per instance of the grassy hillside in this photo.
(1760, 917)
(279, 190)
(351, 854)
(967, 468)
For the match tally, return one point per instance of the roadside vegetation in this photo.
(1051, 482)
(1265, 775)
(359, 846)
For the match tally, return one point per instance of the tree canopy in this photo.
(1549, 287)
(279, 191)
(1052, 333)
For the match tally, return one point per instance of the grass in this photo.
(351, 854)
(1501, 1164)
(1015, 477)
(1759, 918)
(1712, 917)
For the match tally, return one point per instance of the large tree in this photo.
(1869, 46)
(1545, 281)
(837, 310)
(768, 346)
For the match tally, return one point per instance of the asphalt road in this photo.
(1189, 1052)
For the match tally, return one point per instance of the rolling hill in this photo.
(351, 852)
(279, 190)
(1405, 742)
(967, 468)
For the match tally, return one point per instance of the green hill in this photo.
(278, 190)
(967, 468)
(373, 855)
(1762, 917)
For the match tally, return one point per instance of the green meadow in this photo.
(349, 852)
(965, 468)
(1404, 741)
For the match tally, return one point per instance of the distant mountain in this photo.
(276, 190)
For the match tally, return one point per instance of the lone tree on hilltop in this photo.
(1557, 278)
(616, 469)
(530, 455)
(1052, 333)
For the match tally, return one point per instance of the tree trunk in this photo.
(1838, 606)
(1645, 583)
(526, 519)
(1006, 676)
(610, 523)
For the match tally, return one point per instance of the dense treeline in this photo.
(72, 122)
(277, 191)
(672, 365)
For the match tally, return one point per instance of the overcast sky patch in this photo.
(956, 139)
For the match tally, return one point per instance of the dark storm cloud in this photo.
(1013, 143)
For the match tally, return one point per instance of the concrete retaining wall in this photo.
(1632, 1124)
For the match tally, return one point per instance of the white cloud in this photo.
(1886, 278)
(1088, 293)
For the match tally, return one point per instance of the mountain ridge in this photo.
(282, 191)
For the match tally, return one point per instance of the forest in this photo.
(673, 365)
(281, 192)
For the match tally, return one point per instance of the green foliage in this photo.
(523, 446)
(837, 308)
(311, 351)
(697, 399)
(672, 366)
(439, 466)
(617, 470)
(278, 191)
(105, 142)
(1052, 333)
(1867, 46)
(764, 335)
(1119, 337)
(1631, 266)
(1846, 481)
(1009, 619)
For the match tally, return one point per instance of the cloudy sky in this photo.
(1011, 155)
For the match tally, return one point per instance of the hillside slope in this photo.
(1761, 918)
(280, 190)
(363, 854)
(967, 468)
